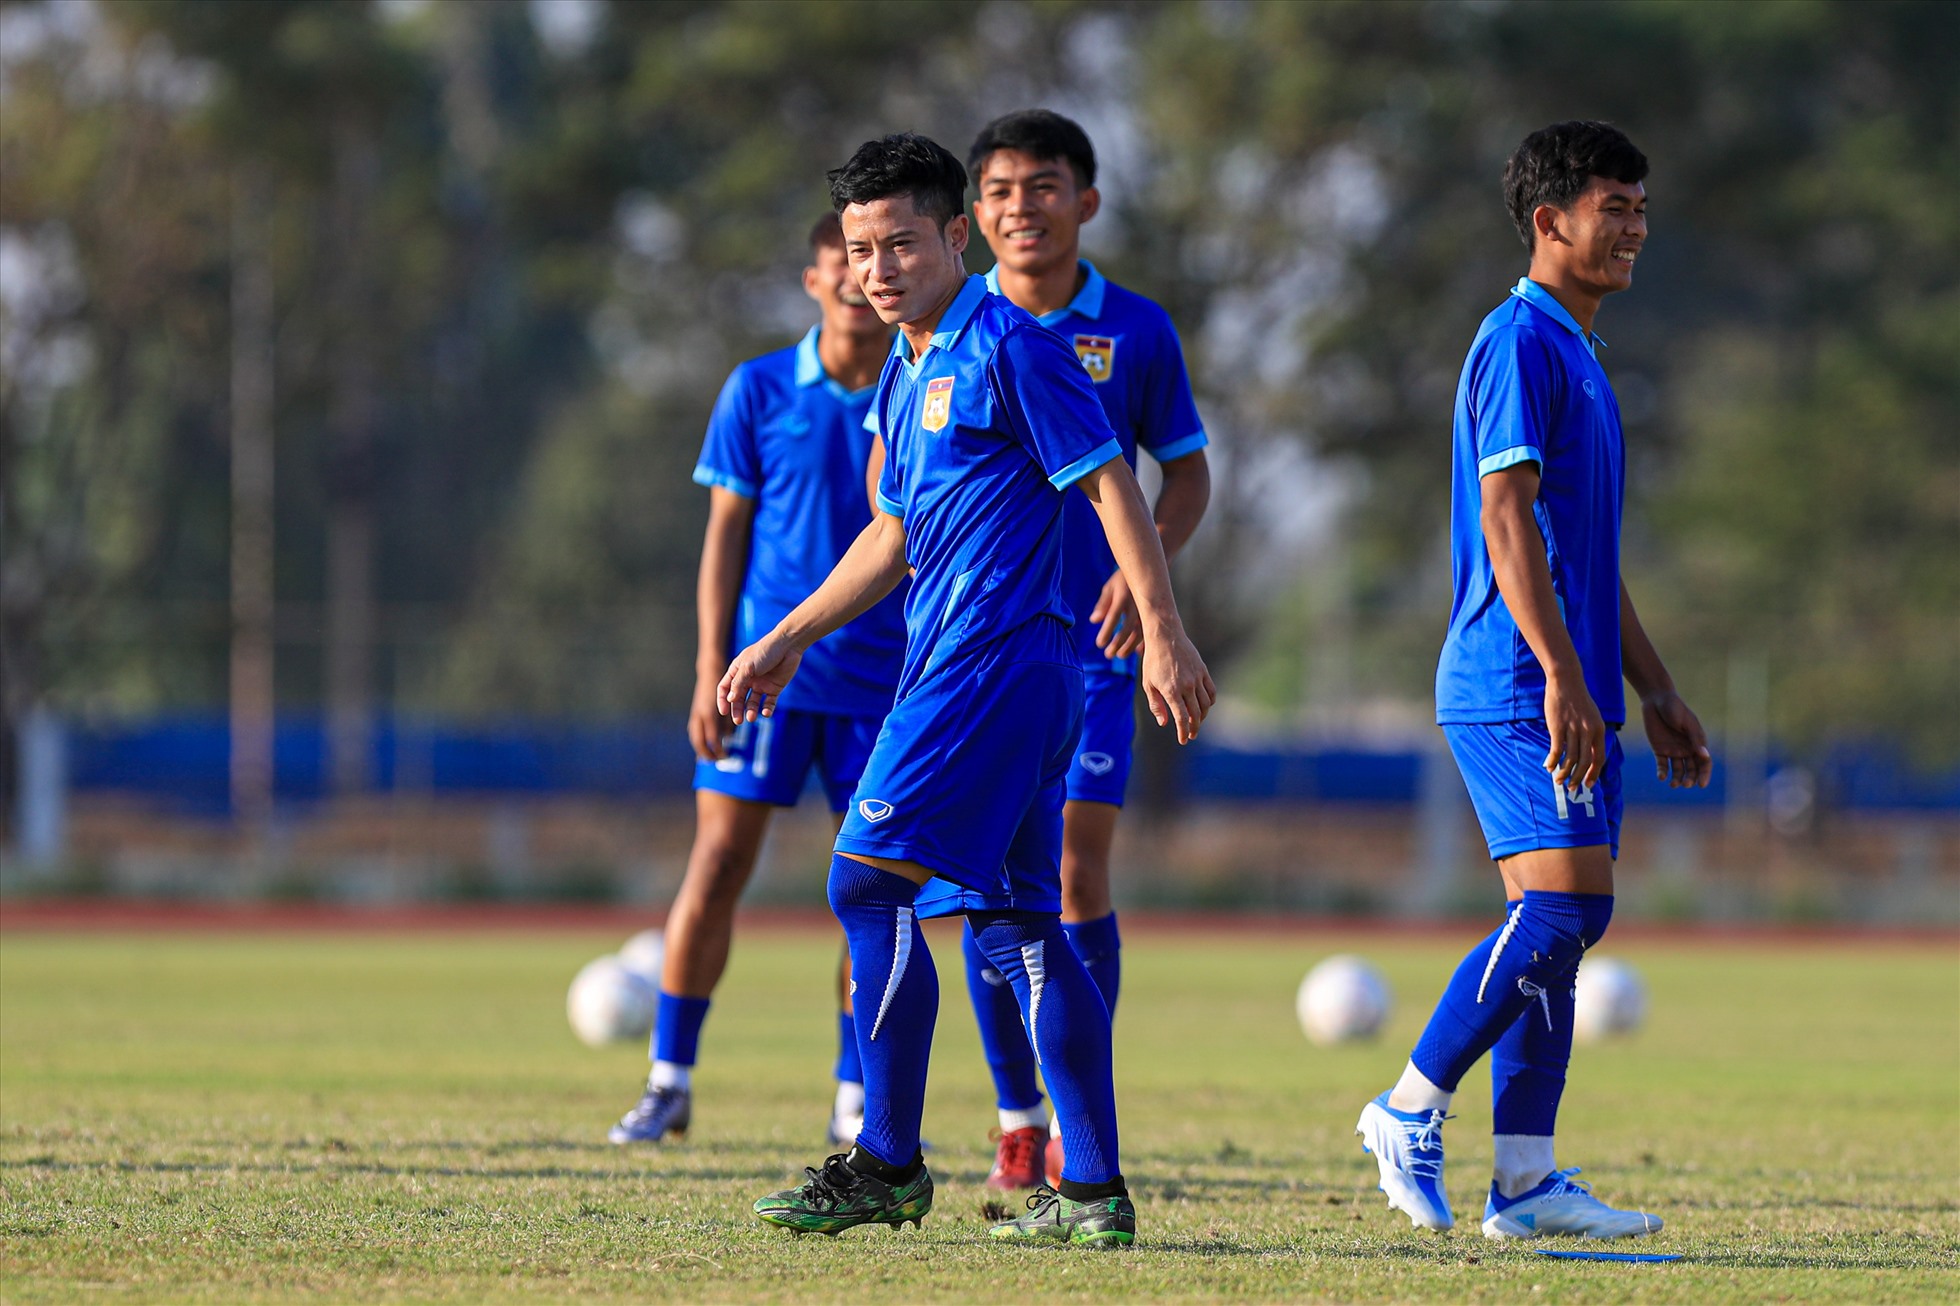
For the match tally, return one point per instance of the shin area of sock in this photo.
(1070, 1025)
(1003, 1038)
(896, 1002)
(1100, 947)
(1542, 937)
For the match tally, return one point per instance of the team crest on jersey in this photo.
(939, 404)
(1098, 355)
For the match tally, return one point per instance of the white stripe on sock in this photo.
(1037, 967)
(1503, 937)
(901, 954)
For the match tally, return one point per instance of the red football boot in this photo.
(1017, 1160)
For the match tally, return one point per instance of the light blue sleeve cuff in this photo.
(1517, 453)
(706, 475)
(1191, 443)
(871, 420)
(891, 506)
(1082, 466)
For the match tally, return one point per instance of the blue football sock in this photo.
(677, 1028)
(1070, 1028)
(1528, 1061)
(1003, 1037)
(1543, 937)
(850, 1069)
(1101, 950)
(895, 1003)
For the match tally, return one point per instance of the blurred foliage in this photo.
(550, 243)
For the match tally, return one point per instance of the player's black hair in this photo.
(1039, 134)
(1555, 163)
(826, 231)
(904, 163)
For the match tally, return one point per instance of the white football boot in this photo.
(1408, 1146)
(1564, 1206)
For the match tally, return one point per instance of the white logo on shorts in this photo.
(1097, 763)
(874, 811)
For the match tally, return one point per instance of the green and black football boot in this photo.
(1106, 1222)
(836, 1197)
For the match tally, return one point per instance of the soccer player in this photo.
(1528, 691)
(784, 462)
(988, 419)
(1035, 177)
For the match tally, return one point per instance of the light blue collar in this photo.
(809, 367)
(1088, 301)
(953, 321)
(1541, 299)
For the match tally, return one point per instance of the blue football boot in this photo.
(1408, 1146)
(1562, 1205)
(659, 1112)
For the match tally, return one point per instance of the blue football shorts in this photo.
(1100, 770)
(1519, 805)
(968, 776)
(769, 759)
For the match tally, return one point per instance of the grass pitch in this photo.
(382, 1117)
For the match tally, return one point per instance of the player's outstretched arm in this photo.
(1181, 504)
(1175, 683)
(724, 557)
(870, 569)
(1524, 578)
(1681, 755)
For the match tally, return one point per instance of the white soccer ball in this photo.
(608, 1002)
(1611, 1000)
(1342, 1000)
(644, 953)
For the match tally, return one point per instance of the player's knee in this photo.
(1596, 914)
(854, 884)
(1558, 928)
(721, 868)
(1003, 937)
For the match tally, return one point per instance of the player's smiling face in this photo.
(1031, 210)
(830, 281)
(1599, 239)
(907, 266)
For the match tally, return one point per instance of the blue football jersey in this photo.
(1130, 351)
(786, 435)
(1532, 390)
(983, 433)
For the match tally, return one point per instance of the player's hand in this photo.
(1120, 631)
(1681, 755)
(1578, 755)
(1175, 683)
(706, 726)
(756, 678)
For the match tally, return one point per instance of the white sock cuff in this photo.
(670, 1074)
(1414, 1092)
(1521, 1162)
(1030, 1118)
(850, 1098)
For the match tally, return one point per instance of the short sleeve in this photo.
(1511, 381)
(1049, 405)
(1169, 426)
(729, 457)
(891, 481)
